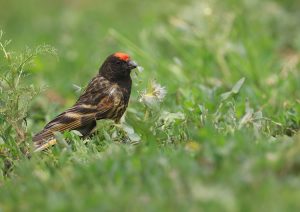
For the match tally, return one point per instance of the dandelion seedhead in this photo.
(154, 94)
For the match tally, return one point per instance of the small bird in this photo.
(105, 97)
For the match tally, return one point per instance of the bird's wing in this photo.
(95, 102)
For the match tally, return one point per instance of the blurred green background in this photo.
(239, 152)
(84, 33)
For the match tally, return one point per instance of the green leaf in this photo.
(1, 141)
(76, 133)
(236, 88)
(60, 139)
(225, 95)
(134, 137)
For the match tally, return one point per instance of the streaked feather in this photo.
(106, 101)
(105, 97)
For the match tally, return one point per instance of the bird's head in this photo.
(117, 66)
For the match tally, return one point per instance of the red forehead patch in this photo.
(122, 56)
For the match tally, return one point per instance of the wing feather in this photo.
(92, 105)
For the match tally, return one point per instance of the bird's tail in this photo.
(43, 140)
(44, 145)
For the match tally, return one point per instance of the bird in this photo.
(105, 97)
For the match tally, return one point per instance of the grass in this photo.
(225, 137)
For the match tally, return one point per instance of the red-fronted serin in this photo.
(105, 97)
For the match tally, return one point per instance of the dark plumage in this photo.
(105, 97)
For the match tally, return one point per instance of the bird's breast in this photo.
(120, 98)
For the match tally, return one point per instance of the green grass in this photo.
(216, 142)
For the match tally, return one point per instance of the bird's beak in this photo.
(132, 64)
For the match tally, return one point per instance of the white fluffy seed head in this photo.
(155, 94)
